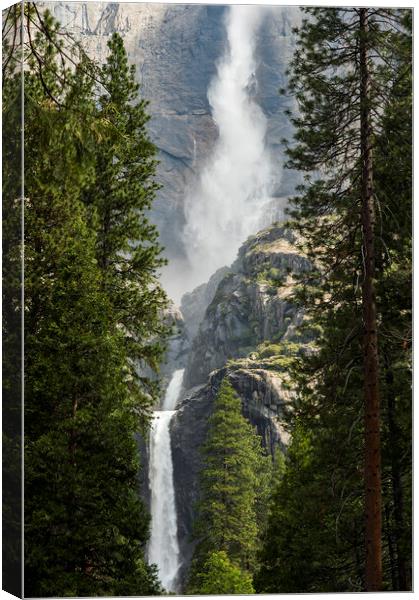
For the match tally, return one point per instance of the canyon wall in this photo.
(175, 49)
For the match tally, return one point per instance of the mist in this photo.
(233, 191)
(231, 198)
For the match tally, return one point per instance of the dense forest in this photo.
(331, 512)
(92, 303)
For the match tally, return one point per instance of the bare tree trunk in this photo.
(373, 566)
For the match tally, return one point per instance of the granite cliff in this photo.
(251, 303)
(175, 49)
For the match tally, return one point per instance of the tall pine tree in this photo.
(325, 469)
(12, 303)
(394, 302)
(127, 248)
(86, 526)
(230, 482)
(340, 76)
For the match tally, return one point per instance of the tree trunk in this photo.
(373, 566)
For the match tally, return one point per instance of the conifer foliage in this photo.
(127, 248)
(352, 67)
(230, 487)
(220, 576)
(91, 299)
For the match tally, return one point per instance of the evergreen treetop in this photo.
(85, 524)
(230, 484)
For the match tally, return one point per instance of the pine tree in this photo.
(86, 526)
(394, 302)
(11, 307)
(340, 76)
(220, 576)
(313, 541)
(315, 531)
(124, 188)
(229, 486)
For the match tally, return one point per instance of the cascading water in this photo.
(163, 547)
(173, 390)
(232, 197)
(230, 201)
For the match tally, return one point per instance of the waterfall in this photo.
(173, 390)
(233, 191)
(163, 547)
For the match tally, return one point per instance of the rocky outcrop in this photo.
(178, 344)
(249, 332)
(195, 303)
(251, 304)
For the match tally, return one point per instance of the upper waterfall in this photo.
(181, 52)
(233, 192)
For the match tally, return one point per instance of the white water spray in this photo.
(173, 390)
(164, 548)
(233, 192)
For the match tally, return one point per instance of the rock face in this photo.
(175, 48)
(251, 304)
(195, 303)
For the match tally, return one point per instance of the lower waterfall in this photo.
(163, 547)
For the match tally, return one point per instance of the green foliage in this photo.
(280, 356)
(233, 487)
(273, 276)
(11, 320)
(266, 350)
(127, 248)
(220, 576)
(314, 519)
(85, 524)
(394, 301)
(315, 536)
